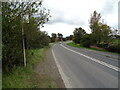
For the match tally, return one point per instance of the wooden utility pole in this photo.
(24, 46)
(24, 54)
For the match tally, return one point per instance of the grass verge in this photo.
(26, 77)
(78, 46)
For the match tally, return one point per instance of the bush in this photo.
(86, 44)
(114, 48)
(102, 45)
(86, 40)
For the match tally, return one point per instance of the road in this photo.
(82, 68)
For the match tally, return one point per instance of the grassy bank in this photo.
(26, 77)
(78, 46)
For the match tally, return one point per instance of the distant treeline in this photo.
(101, 35)
(21, 22)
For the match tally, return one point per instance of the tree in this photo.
(106, 31)
(95, 27)
(68, 38)
(54, 35)
(60, 36)
(13, 20)
(53, 38)
(78, 34)
(100, 31)
(71, 37)
(86, 40)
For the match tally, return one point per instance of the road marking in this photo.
(95, 60)
(64, 77)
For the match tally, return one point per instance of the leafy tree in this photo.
(95, 27)
(106, 31)
(64, 39)
(54, 35)
(53, 38)
(60, 36)
(68, 38)
(13, 20)
(78, 34)
(71, 37)
(100, 31)
(86, 40)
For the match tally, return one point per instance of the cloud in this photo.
(68, 14)
(119, 16)
(65, 29)
(69, 21)
(62, 12)
(110, 13)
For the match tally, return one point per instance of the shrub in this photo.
(86, 40)
(114, 48)
(86, 43)
(102, 45)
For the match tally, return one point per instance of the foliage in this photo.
(78, 34)
(64, 39)
(79, 46)
(86, 41)
(106, 31)
(25, 77)
(60, 36)
(101, 35)
(114, 48)
(100, 31)
(71, 37)
(14, 19)
(53, 38)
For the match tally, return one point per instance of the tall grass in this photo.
(25, 77)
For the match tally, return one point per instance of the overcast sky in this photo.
(69, 14)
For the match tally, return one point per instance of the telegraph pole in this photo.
(24, 53)
(23, 46)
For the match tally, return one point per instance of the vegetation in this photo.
(56, 37)
(60, 36)
(25, 77)
(53, 38)
(78, 34)
(80, 46)
(101, 35)
(100, 31)
(21, 23)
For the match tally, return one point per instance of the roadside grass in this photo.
(78, 46)
(1, 79)
(26, 77)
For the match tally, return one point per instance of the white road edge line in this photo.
(95, 60)
(64, 77)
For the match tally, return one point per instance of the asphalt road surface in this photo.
(82, 68)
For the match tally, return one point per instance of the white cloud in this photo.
(65, 29)
(68, 14)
